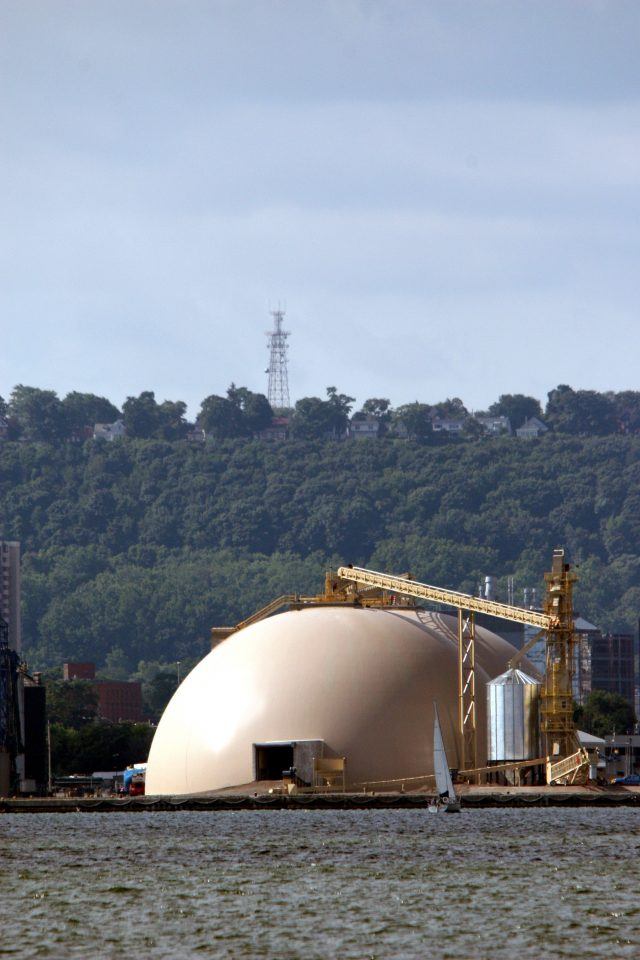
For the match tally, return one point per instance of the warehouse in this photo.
(324, 681)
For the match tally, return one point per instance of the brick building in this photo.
(117, 699)
(78, 671)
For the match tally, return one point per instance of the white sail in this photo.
(444, 783)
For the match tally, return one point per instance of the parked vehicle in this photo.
(133, 779)
(136, 787)
(631, 780)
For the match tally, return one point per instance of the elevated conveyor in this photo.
(363, 587)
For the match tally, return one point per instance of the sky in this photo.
(442, 195)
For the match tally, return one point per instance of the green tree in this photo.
(140, 415)
(221, 418)
(39, 413)
(627, 410)
(116, 665)
(98, 746)
(472, 430)
(450, 409)
(580, 412)
(146, 419)
(380, 409)
(312, 419)
(517, 407)
(256, 410)
(171, 417)
(604, 713)
(241, 413)
(157, 693)
(416, 419)
(84, 409)
(340, 405)
(377, 407)
(318, 419)
(159, 682)
(71, 703)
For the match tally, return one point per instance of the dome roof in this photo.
(362, 681)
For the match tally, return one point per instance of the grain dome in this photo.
(347, 682)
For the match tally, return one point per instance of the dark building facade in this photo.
(613, 664)
(10, 590)
(36, 765)
(119, 700)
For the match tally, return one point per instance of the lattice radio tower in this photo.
(278, 393)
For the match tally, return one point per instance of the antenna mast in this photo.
(278, 392)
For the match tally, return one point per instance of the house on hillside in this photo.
(531, 429)
(495, 426)
(361, 427)
(109, 431)
(448, 426)
(278, 429)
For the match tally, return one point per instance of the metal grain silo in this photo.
(512, 717)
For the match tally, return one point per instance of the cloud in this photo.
(411, 178)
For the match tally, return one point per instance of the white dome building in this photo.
(322, 681)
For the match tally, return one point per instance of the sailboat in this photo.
(444, 783)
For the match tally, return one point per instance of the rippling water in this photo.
(355, 884)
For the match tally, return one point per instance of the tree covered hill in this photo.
(134, 549)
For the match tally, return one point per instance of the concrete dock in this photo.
(471, 797)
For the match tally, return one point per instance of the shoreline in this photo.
(470, 798)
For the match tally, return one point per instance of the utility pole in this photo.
(49, 775)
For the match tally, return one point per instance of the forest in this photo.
(133, 549)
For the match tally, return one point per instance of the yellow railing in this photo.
(450, 598)
(567, 766)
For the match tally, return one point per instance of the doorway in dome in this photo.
(272, 759)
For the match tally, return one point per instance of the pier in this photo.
(472, 798)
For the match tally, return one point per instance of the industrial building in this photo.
(10, 591)
(118, 700)
(23, 750)
(613, 664)
(347, 681)
(324, 682)
(621, 754)
(602, 661)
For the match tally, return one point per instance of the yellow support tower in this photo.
(556, 709)
(565, 757)
(467, 689)
(467, 606)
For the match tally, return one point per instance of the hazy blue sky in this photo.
(443, 194)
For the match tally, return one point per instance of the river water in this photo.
(306, 884)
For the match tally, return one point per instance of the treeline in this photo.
(133, 550)
(83, 743)
(40, 415)
(98, 746)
